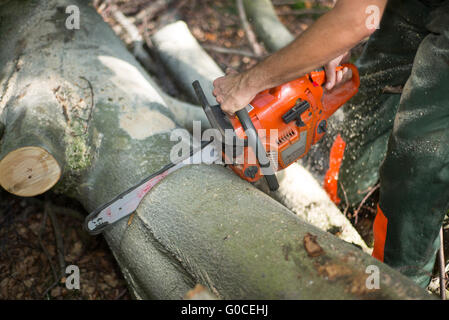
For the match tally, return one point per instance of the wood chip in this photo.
(391, 89)
(311, 245)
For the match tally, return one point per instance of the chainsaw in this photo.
(276, 129)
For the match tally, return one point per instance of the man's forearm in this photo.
(317, 45)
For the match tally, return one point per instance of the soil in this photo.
(29, 255)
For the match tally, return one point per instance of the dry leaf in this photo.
(312, 247)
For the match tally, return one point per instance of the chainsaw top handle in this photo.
(256, 144)
(253, 138)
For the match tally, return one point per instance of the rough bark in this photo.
(298, 189)
(202, 224)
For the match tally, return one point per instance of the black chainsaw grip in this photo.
(200, 94)
(254, 140)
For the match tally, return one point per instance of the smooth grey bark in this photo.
(181, 52)
(267, 25)
(202, 224)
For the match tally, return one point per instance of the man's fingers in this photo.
(230, 71)
(330, 81)
(339, 75)
(347, 74)
(330, 76)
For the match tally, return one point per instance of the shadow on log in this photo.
(202, 224)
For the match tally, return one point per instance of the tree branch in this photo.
(257, 48)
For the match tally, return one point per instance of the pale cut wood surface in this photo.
(29, 171)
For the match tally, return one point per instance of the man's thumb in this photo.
(330, 77)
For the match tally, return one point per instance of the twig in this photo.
(92, 104)
(58, 237)
(442, 267)
(229, 50)
(121, 294)
(392, 89)
(257, 48)
(356, 212)
(91, 97)
(137, 41)
(346, 198)
(50, 287)
(151, 10)
(44, 249)
(62, 100)
(58, 209)
(161, 74)
(180, 4)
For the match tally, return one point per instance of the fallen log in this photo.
(298, 189)
(202, 224)
(181, 51)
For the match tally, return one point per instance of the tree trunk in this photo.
(201, 224)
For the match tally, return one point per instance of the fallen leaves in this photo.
(312, 247)
(199, 292)
(26, 272)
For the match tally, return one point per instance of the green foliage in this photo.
(299, 5)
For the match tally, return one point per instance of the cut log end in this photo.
(29, 171)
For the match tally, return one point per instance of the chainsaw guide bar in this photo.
(128, 201)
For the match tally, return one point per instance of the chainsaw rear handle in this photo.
(258, 148)
(200, 94)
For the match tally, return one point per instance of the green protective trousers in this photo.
(399, 122)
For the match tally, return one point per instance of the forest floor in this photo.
(40, 236)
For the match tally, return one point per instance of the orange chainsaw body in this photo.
(291, 118)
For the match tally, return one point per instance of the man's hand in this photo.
(334, 78)
(233, 92)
